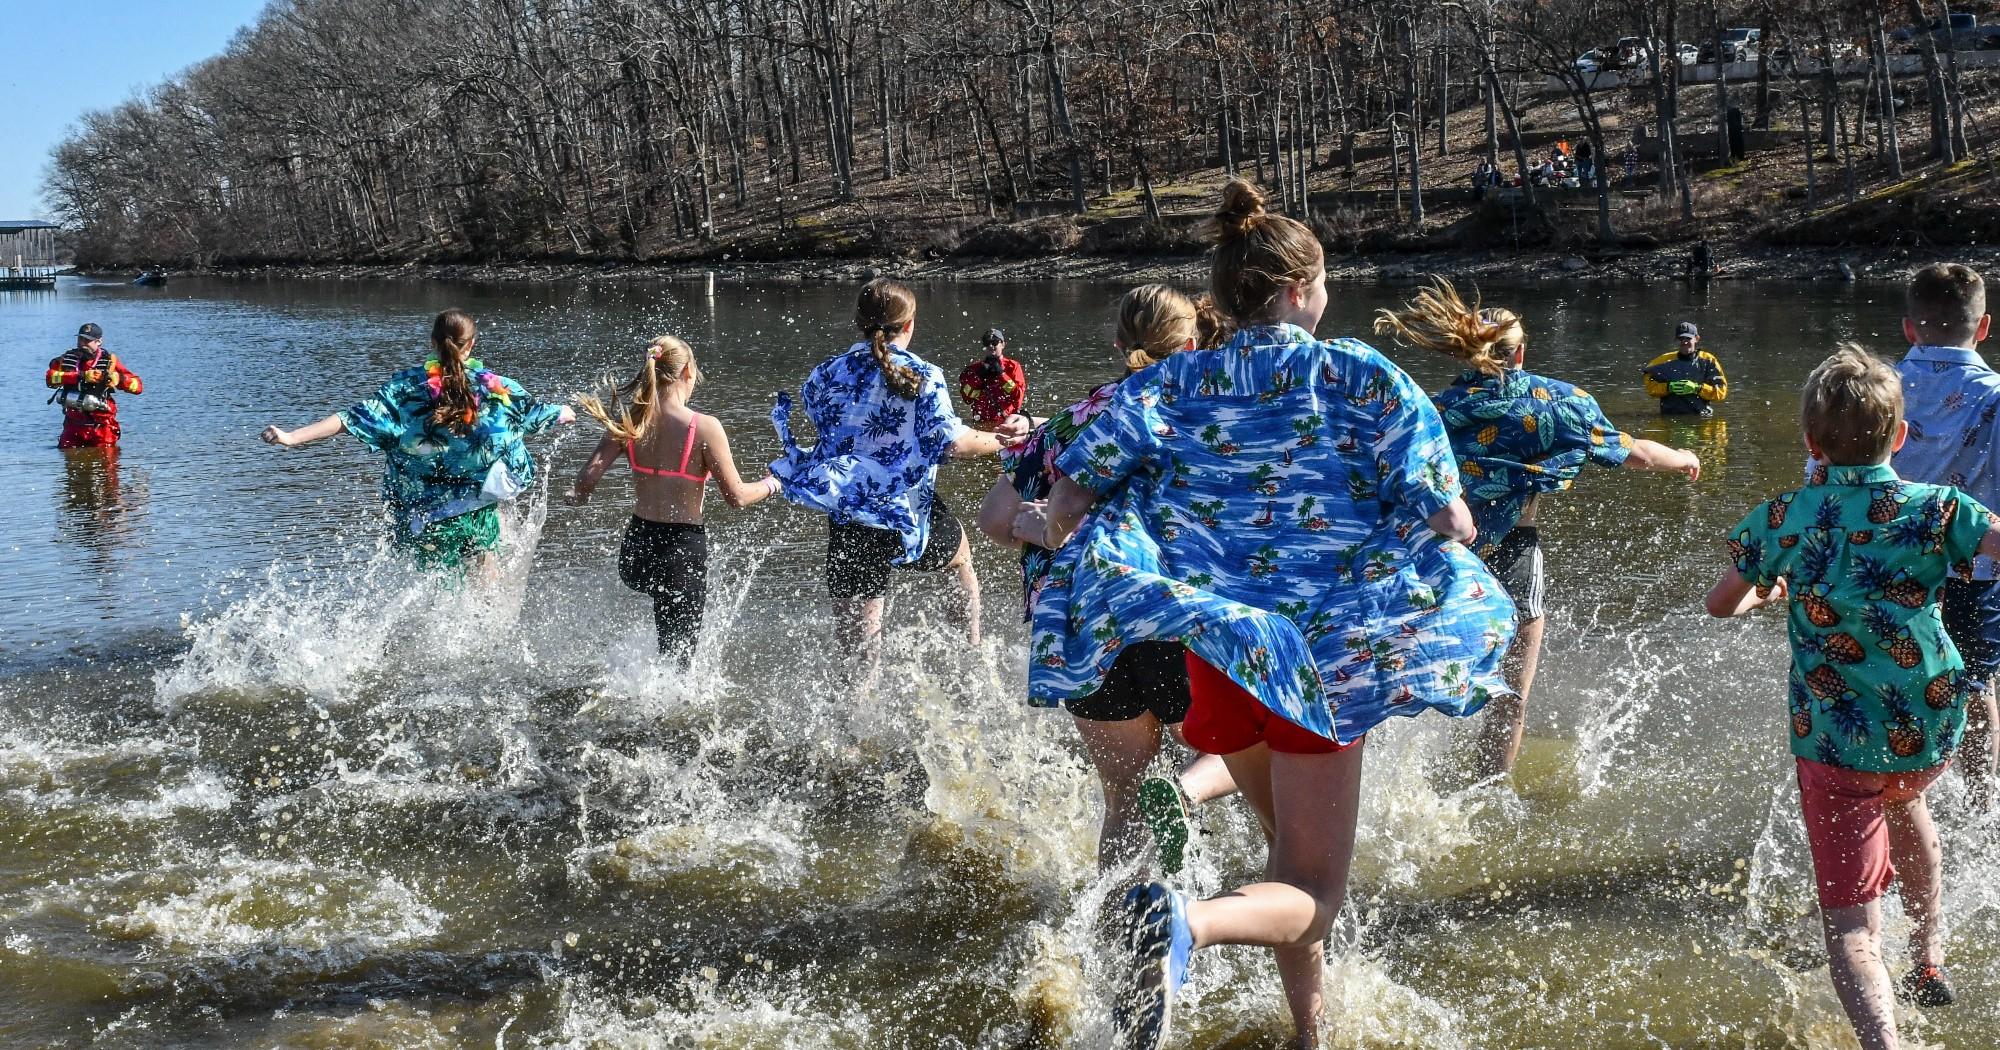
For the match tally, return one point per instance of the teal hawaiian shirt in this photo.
(433, 473)
(1520, 434)
(1264, 503)
(1875, 684)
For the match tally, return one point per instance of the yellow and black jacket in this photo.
(1702, 369)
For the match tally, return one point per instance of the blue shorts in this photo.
(1972, 620)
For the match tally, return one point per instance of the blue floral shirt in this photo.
(1876, 684)
(876, 459)
(1520, 434)
(433, 473)
(1951, 399)
(1265, 503)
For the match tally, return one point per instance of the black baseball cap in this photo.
(1687, 330)
(995, 335)
(90, 331)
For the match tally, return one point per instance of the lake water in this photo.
(260, 787)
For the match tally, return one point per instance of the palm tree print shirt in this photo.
(876, 459)
(1265, 504)
(1519, 434)
(1876, 685)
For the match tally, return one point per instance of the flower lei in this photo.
(484, 383)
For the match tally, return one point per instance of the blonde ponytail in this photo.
(1438, 319)
(634, 406)
(1154, 321)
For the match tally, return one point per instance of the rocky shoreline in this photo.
(1732, 262)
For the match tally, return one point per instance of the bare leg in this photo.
(1312, 802)
(1854, 950)
(1506, 717)
(1976, 754)
(1919, 860)
(1204, 778)
(968, 581)
(858, 627)
(1120, 751)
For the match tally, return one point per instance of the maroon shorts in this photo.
(1846, 830)
(1223, 718)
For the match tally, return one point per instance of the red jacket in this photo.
(993, 396)
(99, 373)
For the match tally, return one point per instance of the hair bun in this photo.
(1242, 208)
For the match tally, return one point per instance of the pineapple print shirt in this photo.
(1264, 504)
(1875, 684)
(1519, 434)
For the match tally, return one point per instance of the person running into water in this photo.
(1952, 400)
(84, 379)
(1516, 435)
(1147, 687)
(884, 421)
(1878, 692)
(994, 385)
(673, 451)
(452, 432)
(1287, 508)
(1688, 381)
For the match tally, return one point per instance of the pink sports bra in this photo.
(687, 452)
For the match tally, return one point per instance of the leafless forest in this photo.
(377, 130)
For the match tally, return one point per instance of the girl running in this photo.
(885, 422)
(1516, 436)
(1147, 687)
(1288, 509)
(452, 434)
(673, 451)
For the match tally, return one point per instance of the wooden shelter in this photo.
(28, 254)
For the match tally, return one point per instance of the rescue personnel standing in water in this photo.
(1687, 380)
(84, 379)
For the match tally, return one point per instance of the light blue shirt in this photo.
(1951, 399)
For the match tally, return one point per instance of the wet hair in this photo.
(1154, 322)
(457, 408)
(1438, 319)
(1945, 302)
(1852, 404)
(887, 307)
(1257, 255)
(633, 407)
(1212, 327)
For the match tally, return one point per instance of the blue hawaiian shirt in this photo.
(1951, 399)
(1875, 684)
(876, 459)
(1264, 503)
(434, 473)
(1520, 434)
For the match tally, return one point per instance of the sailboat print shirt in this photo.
(876, 459)
(1876, 684)
(1518, 434)
(1265, 503)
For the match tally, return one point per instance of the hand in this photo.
(1690, 465)
(574, 498)
(1683, 387)
(1031, 523)
(567, 415)
(1777, 593)
(1014, 429)
(94, 376)
(273, 436)
(771, 482)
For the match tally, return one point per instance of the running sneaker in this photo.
(1928, 986)
(1160, 942)
(1165, 812)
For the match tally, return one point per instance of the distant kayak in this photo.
(150, 277)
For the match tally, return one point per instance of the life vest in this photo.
(87, 397)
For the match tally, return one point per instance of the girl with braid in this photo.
(452, 432)
(884, 421)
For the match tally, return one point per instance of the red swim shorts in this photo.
(1223, 718)
(1846, 829)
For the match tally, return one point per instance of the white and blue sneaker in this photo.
(1160, 941)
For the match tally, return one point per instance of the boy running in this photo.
(1877, 690)
(1951, 398)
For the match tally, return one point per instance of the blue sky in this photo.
(63, 58)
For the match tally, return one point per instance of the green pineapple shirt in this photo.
(1876, 685)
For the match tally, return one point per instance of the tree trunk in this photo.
(1891, 142)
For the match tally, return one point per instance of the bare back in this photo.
(670, 467)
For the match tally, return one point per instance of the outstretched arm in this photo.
(1989, 544)
(1049, 523)
(606, 453)
(997, 513)
(734, 491)
(305, 435)
(1733, 595)
(1651, 455)
(1454, 521)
